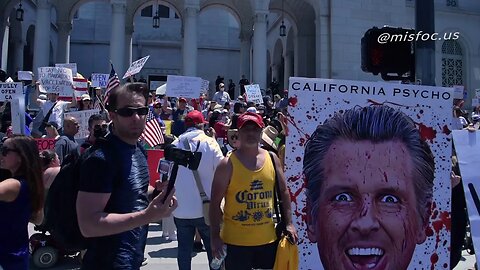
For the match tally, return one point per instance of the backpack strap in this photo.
(276, 197)
(203, 195)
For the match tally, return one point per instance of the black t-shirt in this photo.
(125, 177)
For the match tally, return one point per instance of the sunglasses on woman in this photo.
(127, 112)
(5, 150)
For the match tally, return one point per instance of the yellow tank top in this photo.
(248, 211)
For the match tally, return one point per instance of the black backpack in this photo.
(60, 205)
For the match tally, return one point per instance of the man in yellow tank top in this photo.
(246, 179)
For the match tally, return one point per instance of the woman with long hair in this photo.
(21, 199)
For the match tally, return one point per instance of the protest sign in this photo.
(467, 147)
(477, 93)
(17, 106)
(153, 156)
(25, 75)
(72, 66)
(183, 86)
(458, 91)
(205, 86)
(254, 94)
(80, 85)
(136, 66)
(10, 91)
(347, 148)
(56, 80)
(82, 118)
(45, 144)
(475, 102)
(99, 80)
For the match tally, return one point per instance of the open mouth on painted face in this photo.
(364, 258)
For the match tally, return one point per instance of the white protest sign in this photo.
(99, 80)
(136, 66)
(458, 91)
(205, 86)
(18, 115)
(10, 91)
(9, 80)
(72, 66)
(56, 80)
(82, 118)
(25, 75)
(475, 102)
(253, 93)
(467, 146)
(183, 86)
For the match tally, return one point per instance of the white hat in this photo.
(252, 110)
(85, 97)
(269, 134)
(42, 97)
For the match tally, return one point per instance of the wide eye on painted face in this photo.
(343, 197)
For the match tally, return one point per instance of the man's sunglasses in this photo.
(127, 112)
(5, 150)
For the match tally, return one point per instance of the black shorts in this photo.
(248, 257)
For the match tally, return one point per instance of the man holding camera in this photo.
(97, 127)
(189, 213)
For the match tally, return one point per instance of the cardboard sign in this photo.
(72, 66)
(352, 128)
(45, 144)
(467, 146)
(254, 93)
(18, 115)
(136, 67)
(99, 80)
(458, 91)
(10, 91)
(183, 86)
(57, 80)
(82, 118)
(25, 75)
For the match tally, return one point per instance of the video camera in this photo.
(183, 157)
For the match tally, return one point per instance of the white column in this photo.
(128, 45)
(287, 73)
(19, 47)
(323, 42)
(64, 30)
(260, 50)
(5, 47)
(117, 39)
(41, 51)
(190, 48)
(245, 46)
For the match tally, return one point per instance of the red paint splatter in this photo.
(426, 133)
(433, 260)
(292, 101)
(445, 130)
(444, 221)
(428, 232)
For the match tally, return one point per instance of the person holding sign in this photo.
(369, 177)
(54, 106)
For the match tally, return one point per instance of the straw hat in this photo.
(268, 136)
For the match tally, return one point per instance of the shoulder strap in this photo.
(203, 195)
(47, 116)
(276, 197)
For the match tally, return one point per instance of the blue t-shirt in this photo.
(14, 230)
(125, 177)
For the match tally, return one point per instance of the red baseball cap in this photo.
(194, 118)
(250, 116)
(182, 99)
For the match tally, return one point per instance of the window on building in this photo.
(163, 11)
(452, 63)
(451, 3)
(147, 12)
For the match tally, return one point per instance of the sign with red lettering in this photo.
(45, 144)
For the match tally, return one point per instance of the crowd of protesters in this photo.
(216, 121)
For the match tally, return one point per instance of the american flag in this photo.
(113, 82)
(152, 133)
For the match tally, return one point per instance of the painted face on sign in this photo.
(367, 210)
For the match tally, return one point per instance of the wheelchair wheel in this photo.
(45, 257)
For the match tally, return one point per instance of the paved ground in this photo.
(161, 254)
